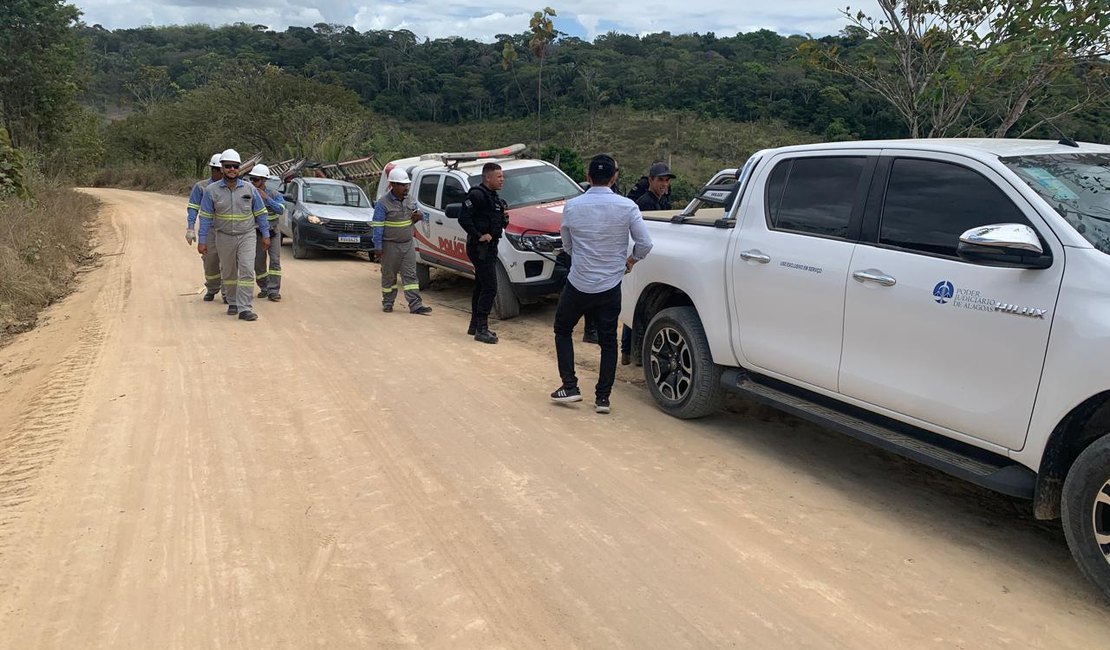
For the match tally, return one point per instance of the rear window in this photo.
(1076, 185)
(814, 196)
(531, 185)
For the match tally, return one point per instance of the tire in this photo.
(1086, 513)
(506, 305)
(423, 275)
(300, 250)
(678, 366)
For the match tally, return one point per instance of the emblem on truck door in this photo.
(972, 299)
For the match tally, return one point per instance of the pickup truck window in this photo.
(930, 203)
(429, 183)
(531, 185)
(453, 192)
(1075, 185)
(814, 195)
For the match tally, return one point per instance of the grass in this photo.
(695, 147)
(42, 244)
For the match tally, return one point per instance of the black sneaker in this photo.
(566, 395)
(274, 296)
(589, 336)
(232, 310)
(262, 294)
(485, 336)
(601, 405)
(210, 296)
(248, 315)
(387, 308)
(422, 310)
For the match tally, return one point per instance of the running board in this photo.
(961, 460)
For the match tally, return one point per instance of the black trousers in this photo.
(605, 309)
(484, 258)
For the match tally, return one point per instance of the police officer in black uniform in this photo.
(483, 218)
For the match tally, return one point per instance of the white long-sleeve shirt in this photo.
(596, 227)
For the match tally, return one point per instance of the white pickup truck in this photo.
(946, 300)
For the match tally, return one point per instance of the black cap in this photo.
(660, 169)
(602, 167)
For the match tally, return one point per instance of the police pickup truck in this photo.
(530, 264)
(946, 300)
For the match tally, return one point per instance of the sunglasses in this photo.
(231, 165)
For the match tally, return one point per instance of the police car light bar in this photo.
(468, 156)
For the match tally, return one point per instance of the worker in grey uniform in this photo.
(268, 276)
(394, 215)
(234, 209)
(211, 259)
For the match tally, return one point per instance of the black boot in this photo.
(485, 336)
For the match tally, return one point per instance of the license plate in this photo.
(349, 239)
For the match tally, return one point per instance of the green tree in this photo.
(543, 33)
(958, 66)
(39, 50)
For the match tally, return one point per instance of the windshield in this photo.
(335, 194)
(529, 185)
(1076, 185)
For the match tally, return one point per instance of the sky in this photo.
(482, 20)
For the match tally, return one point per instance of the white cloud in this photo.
(483, 19)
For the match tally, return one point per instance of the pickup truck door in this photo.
(798, 228)
(923, 335)
(440, 240)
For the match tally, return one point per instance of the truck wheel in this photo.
(1086, 513)
(678, 367)
(506, 305)
(423, 275)
(300, 251)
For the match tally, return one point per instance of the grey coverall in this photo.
(393, 236)
(234, 213)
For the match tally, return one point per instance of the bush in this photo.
(149, 178)
(42, 243)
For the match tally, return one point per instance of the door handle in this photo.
(873, 275)
(755, 255)
(439, 221)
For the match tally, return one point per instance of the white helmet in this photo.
(230, 155)
(215, 160)
(398, 175)
(259, 171)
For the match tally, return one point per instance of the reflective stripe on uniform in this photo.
(411, 287)
(263, 275)
(194, 206)
(274, 272)
(230, 216)
(389, 289)
(215, 276)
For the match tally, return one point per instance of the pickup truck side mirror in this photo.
(1011, 245)
(585, 185)
(453, 210)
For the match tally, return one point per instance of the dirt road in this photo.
(332, 476)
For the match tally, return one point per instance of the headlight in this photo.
(538, 243)
(315, 220)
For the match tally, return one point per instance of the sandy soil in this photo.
(337, 477)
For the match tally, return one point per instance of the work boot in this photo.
(209, 296)
(387, 308)
(262, 293)
(232, 310)
(274, 296)
(626, 358)
(472, 329)
(589, 336)
(422, 310)
(485, 336)
(248, 315)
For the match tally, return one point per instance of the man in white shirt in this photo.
(596, 227)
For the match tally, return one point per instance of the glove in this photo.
(190, 236)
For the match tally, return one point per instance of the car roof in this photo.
(974, 147)
(325, 181)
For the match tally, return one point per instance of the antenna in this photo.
(1064, 140)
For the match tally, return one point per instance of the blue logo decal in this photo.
(944, 291)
